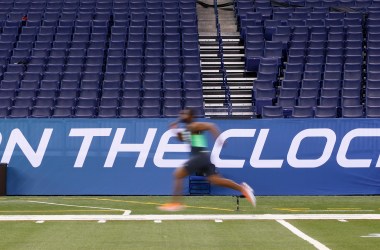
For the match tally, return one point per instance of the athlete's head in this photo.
(187, 115)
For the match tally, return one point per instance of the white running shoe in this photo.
(249, 193)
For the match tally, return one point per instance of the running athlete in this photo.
(199, 161)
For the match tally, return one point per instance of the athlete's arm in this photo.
(174, 124)
(179, 136)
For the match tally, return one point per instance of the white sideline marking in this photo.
(183, 217)
(302, 235)
(126, 212)
(371, 236)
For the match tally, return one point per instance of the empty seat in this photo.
(373, 101)
(325, 112)
(128, 112)
(150, 112)
(107, 112)
(192, 103)
(44, 102)
(373, 111)
(84, 112)
(85, 103)
(41, 112)
(352, 111)
(5, 102)
(62, 112)
(89, 94)
(303, 112)
(307, 101)
(4, 111)
(23, 102)
(65, 102)
(350, 101)
(272, 112)
(151, 102)
(171, 111)
(19, 112)
(329, 101)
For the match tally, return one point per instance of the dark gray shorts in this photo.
(200, 164)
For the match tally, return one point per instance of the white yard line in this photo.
(318, 245)
(125, 212)
(189, 217)
(375, 235)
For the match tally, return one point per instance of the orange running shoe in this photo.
(171, 207)
(248, 193)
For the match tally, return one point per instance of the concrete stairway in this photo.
(239, 81)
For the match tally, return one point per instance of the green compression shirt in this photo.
(198, 140)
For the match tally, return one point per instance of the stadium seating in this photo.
(325, 56)
(98, 58)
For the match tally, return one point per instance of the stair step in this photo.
(224, 47)
(231, 87)
(216, 113)
(233, 79)
(217, 70)
(232, 96)
(233, 105)
(225, 63)
(225, 55)
(202, 40)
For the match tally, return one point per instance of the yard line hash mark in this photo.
(318, 245)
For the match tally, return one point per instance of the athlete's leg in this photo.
(179, 175)
(176, 205)
(246, 190)
(216, 179)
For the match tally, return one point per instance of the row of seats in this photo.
(70, 5)
(356, 111)
(105, 102)
(311, 62)
(137, 58)
(240, 5)
(88, 112)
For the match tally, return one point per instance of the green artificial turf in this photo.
(228, 234)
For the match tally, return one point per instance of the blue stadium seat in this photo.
(19, 112)
(373, 108)
(272, 112)
(84, 112)
(325, 112)
(65, 102)
(44, 102)
(128, 112)
(303, 112)
(41, 112)
(62, 112)
(353, 111)
(23, 102)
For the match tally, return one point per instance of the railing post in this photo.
(227, 95)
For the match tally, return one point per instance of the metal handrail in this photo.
(227, 98)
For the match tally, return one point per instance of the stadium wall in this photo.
(138, 156)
